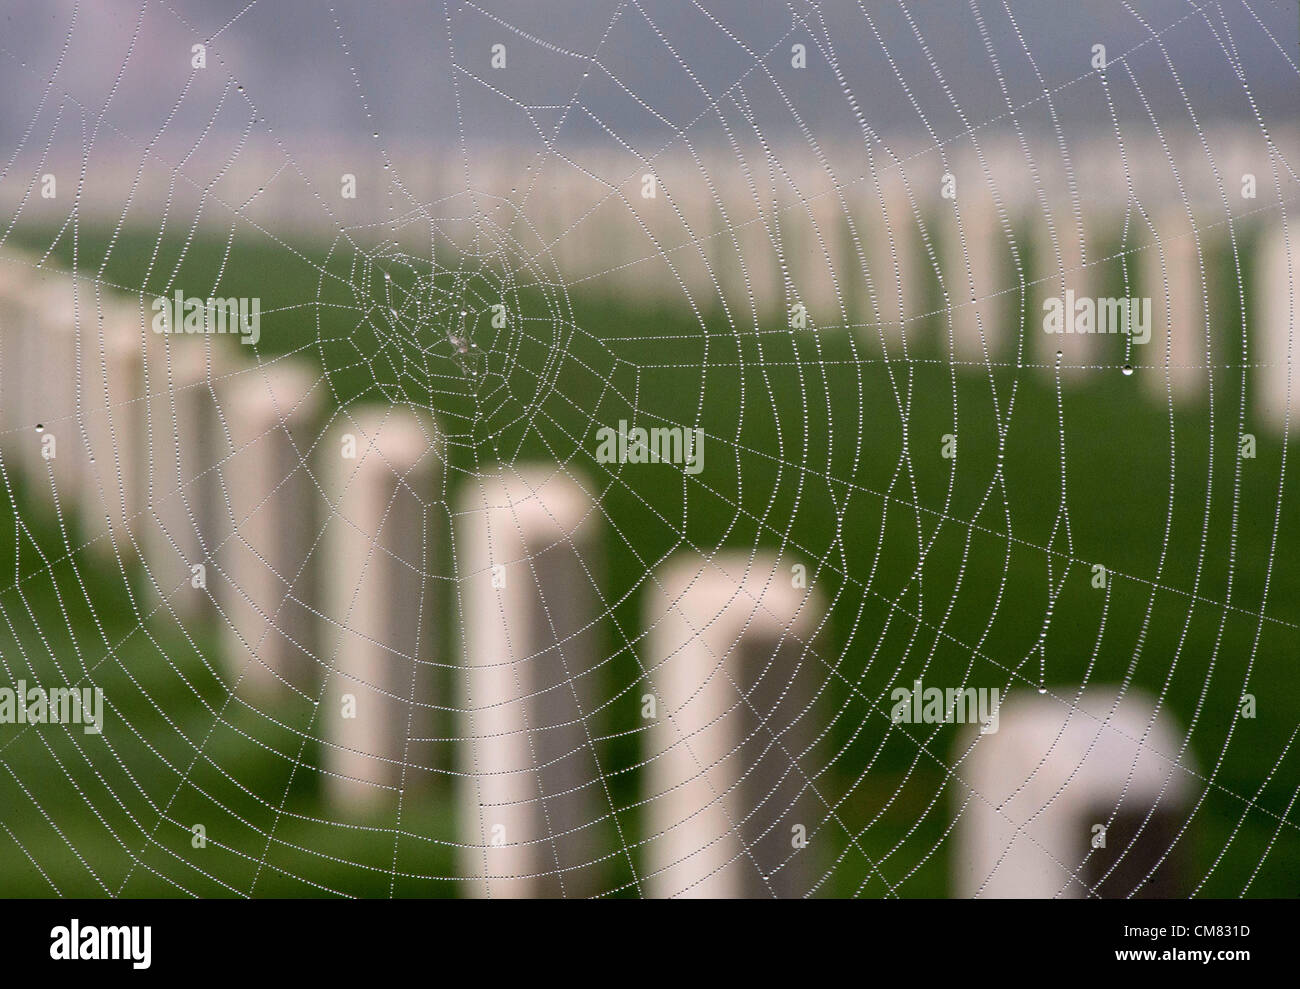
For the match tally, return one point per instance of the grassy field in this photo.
(805, 442)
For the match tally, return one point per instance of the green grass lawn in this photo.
(804, 448)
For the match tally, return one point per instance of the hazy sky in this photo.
(397, 68)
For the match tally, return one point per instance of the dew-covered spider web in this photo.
(649, 449)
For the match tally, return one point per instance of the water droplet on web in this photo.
(1042, 690)
(40, 427)
(1128, 369)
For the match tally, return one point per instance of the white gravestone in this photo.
(20, 363)
(891, 240)
(187, 438)
(1178, 315)
(531, 793)
(375, 601)
(977, 323)
(728, 797)
(1275, 343)
(1050, 778)
(94, 400)
(269, 558)
(1063, 272)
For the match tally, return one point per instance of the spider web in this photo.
(372, 614)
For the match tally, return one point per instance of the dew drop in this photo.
(1042, 690)
(1128, 369)
(40, 427)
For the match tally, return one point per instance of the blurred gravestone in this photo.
(269, 558)
(378, 467)
(532, 797)
(729, 794)
(1039, 796)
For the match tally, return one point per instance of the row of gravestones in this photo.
(163, 438)
(882, 250)
(863, 236)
